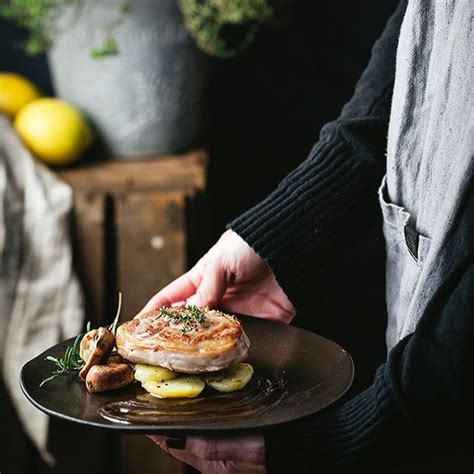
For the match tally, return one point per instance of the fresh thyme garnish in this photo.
(190, 317)
(196, 313)
(71, 362)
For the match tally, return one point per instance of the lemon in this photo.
(54, 130)
(15, 92)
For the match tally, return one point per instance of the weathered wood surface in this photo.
(88, 228)
(171, 172)
(151, 244)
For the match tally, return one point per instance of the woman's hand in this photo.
(239, 454)
(233, 277)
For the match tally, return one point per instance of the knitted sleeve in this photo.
(419, 405)
(331, 196)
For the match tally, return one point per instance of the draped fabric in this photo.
(40, 298)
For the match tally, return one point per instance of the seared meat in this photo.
(188, 340)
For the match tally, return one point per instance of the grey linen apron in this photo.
(429, 154)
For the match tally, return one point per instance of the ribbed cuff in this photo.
(357, 434)
(298, 228)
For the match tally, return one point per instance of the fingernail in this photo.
(176, 443)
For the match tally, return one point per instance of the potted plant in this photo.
(131, 65)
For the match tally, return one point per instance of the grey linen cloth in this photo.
(40, 298)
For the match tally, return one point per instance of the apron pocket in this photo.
(398, 224)
(393, 215)
(406, 250)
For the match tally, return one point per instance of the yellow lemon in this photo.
(15, 92)
(54, 130)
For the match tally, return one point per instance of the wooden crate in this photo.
(134, 227)
(131, 227)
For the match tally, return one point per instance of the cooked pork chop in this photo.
(187, 340)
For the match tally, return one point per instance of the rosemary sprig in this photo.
(71, 361)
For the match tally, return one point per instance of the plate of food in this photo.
(178, 371)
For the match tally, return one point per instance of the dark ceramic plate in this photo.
(297, 373)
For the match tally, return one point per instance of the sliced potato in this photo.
(231, 379)
(181, 387)
(151, 373)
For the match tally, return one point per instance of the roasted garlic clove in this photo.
(110, 376)
(96, 345)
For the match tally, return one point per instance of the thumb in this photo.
(212, 287)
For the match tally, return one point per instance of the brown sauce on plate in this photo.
(258, 396)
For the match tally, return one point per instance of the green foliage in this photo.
(107, 48)
(71, 361)
(37, 17)
(40, 19)
(223, 28)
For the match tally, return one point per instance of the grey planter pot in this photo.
(147, 99)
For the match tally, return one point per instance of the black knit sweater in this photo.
(420, 403)
(421, 398)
